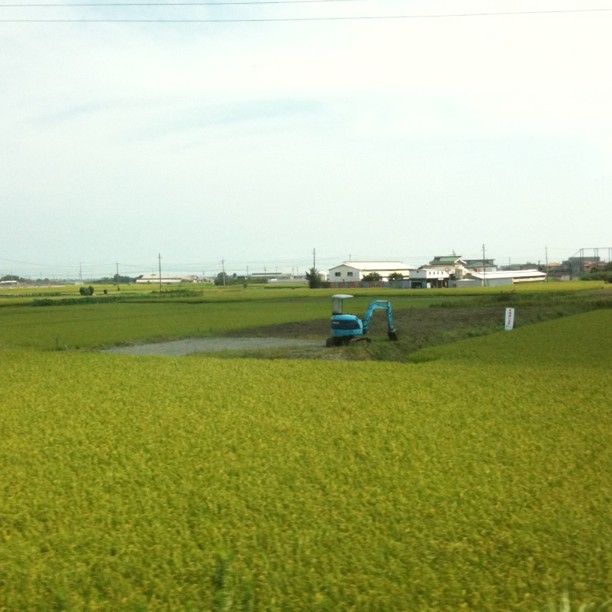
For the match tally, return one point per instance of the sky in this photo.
(268, 136)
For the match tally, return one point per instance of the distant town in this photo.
(443, 271)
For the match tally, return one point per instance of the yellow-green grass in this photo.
(478, 480)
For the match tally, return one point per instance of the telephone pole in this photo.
(484, 267)
(159, 268)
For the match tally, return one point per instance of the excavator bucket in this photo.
(392, 335)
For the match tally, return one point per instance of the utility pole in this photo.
(223, 271)
(484, 267)
(314, 258)
(159, 268)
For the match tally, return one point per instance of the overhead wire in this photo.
(166, 4)
(270, 19)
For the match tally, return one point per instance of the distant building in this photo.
(447, 262)
(480, 265)
(525, 266)
(575, 266)
(429, 278)
(454, 265)
(441, 272)
(498, 278)
(277, 277)
(153, 279)
(353, 272)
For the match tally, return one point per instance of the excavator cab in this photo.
(347, 328)
(344, 327)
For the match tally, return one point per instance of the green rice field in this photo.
(469, 476)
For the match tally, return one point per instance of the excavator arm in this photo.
(380, 305)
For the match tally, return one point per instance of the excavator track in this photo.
(346, 340)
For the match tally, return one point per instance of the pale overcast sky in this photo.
(256, 142)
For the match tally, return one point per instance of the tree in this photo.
(313, 276)
(372, 276)
(116, 279)
(225, 279)
(222, 279)
(395, 278)
(602, 272)
(121, 279)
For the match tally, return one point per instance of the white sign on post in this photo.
(509, 319)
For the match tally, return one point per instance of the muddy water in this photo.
(190, 346)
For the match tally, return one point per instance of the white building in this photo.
(429, 278)
(499, 278)
(355, 271)
(153, 279)
(452, 264)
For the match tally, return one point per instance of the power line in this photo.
(168, 4)
(307, 19)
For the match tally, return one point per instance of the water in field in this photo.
(190, 346)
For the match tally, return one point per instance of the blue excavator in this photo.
(349, 328)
